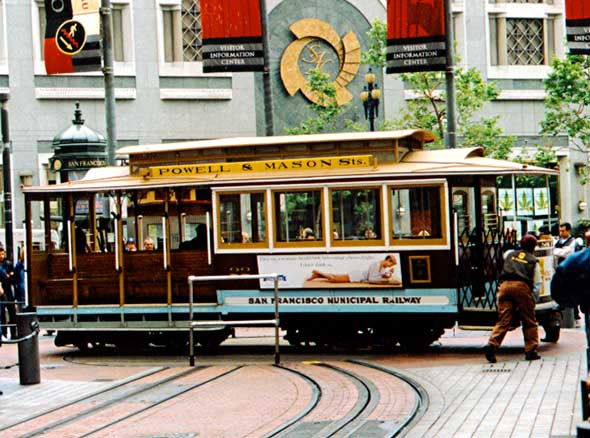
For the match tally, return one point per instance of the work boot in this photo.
(490, 353)
(532, 355)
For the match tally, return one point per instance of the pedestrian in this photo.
(7, 300)
(566, 243)
(19, 280)
(520, 282)
(564, 247)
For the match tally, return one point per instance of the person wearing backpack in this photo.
(520, 280)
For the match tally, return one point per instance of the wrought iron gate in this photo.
(480, 263)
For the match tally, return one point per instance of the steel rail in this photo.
(161, 401)
(315, 399)
(109, 403)
(119, 384)
(420, 406)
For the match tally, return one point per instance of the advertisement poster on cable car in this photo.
(374, 270)
(547, 270)
(542, 199)
(507, 202)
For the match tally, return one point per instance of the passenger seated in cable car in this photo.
(197, 242)
(370, 234)
(148, 244)
(246, 237)
(130, 245)
(307, 234)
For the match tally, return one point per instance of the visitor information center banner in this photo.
(577, 21)
(232, 36)
(415, 36)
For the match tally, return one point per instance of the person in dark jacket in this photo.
(19, 279)
(7, 304)
(520, 280)
(199, 241)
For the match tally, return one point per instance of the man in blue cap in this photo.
(520, 282)
(130, 245)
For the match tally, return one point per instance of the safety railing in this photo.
(269, 322)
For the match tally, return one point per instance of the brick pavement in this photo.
(467, 396)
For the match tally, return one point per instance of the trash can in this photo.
(28, 349)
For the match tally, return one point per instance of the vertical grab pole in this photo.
(140, 231)
(191, 345)
(208, 217)
(456, 233)
(276, 295)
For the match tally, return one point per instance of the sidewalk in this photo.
(467, 396)
(512, 398)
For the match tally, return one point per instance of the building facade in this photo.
(162, 94)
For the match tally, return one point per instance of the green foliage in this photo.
(568, 96)
(545, 155)
(428, 109)
(487, 134)
(377, 51)
(327, 109)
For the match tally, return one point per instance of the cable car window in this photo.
(488, 208)
(298, 216)
(242, 219)
(461, 205)
(416, 213)
(356, 215)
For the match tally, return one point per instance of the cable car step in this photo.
(269, 322)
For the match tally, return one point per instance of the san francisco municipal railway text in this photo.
(336, 300)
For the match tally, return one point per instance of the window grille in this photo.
(191, 30)
(525, 41)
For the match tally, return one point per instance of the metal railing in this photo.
(269, 322)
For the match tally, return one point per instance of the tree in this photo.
(427, 109)
(327, 109)
(568, 96)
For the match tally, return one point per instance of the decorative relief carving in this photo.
(318, 45)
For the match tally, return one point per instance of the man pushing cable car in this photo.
(520, 281)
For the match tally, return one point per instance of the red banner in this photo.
(72, 36)
(415, 36)
(577, 21)
(232, 35)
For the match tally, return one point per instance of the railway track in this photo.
(84, 414)
(386, 404)
(312, 399)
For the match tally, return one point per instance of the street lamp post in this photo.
(370, 97)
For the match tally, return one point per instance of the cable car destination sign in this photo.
(319, 163)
